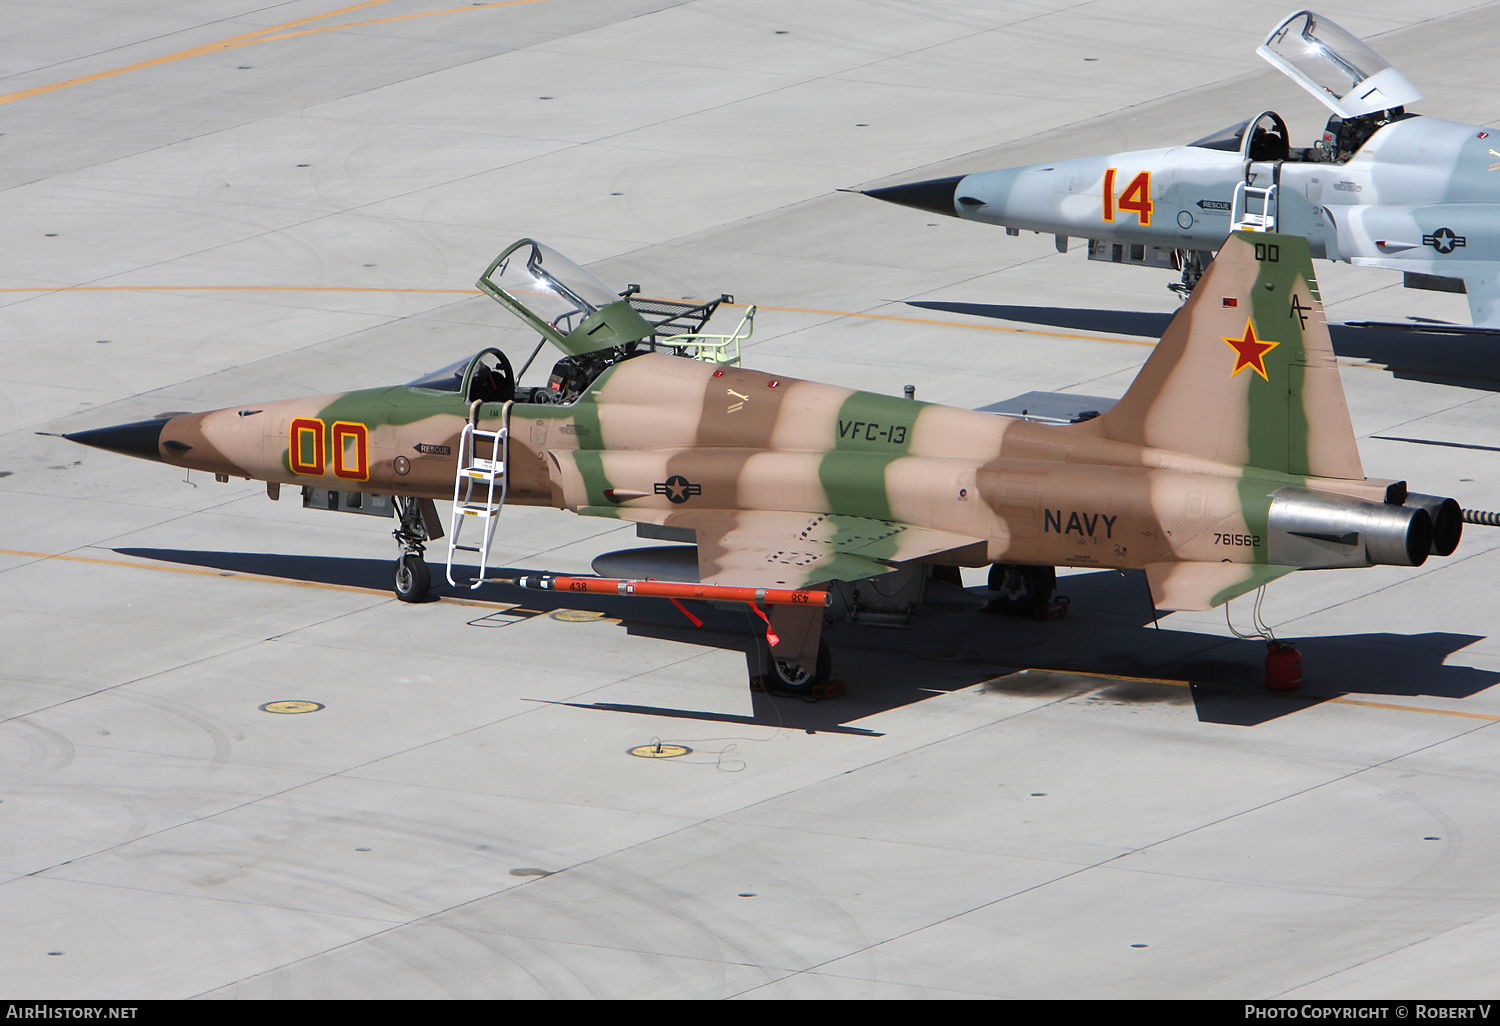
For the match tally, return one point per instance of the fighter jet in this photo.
(1229, 462)
(1383, 187)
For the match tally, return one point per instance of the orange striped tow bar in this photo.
(670, 590)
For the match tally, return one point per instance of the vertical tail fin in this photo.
(1245, 373)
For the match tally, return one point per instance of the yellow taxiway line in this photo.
(265, 578)
(265, 35)
(475, 292)
(233, 288)
(958, 324)
(1148, 343)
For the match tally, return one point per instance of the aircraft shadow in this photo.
(1107, 635)
(340, 571)
(1468, 361)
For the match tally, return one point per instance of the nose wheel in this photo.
(411, 580)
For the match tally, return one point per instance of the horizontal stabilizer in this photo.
(1051, 407)
(1200, 586)
(1429, 327)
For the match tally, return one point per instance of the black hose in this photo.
(1482, 516)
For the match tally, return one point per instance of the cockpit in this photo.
(1265, 138)
(594, 327)
(486, 377)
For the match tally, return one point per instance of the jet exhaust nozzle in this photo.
(1321, 530)
(1447, 521)
(141, 439)
(936, 196)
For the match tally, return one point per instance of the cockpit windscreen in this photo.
(444, 379)
(551, 286)
(1228, 139)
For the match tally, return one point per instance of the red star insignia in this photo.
(1249, 352)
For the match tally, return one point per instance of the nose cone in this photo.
(937, 196)
(141, 439)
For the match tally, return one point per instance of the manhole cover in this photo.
(577, 615)
(293, 706)
(658, 750)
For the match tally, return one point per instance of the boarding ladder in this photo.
(1242, 218)
(479, 487)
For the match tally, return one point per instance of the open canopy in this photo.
(1350, 78)
(574, 310)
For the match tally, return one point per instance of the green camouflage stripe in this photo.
(1277, 424)
(873, 431)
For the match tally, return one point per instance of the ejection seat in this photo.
(490, 378)
(1268, 142)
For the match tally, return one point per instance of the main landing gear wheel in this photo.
(787, 677)
(412, 580)
(1020, 589)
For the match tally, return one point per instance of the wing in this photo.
(1483, 286)
(1478, 279)
(781, 549)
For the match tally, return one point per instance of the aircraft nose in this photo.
(936, 195)
(141, 439)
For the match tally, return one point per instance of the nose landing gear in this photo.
(411, 579)
(1194, 263)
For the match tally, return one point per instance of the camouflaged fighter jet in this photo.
(1229, 462)
(1382, 188)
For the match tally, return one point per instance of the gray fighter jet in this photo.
(1383, 187)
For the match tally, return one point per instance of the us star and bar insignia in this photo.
(678, 488)
(1445, 240)
(1249, 351)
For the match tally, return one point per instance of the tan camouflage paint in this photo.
(792, 483)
